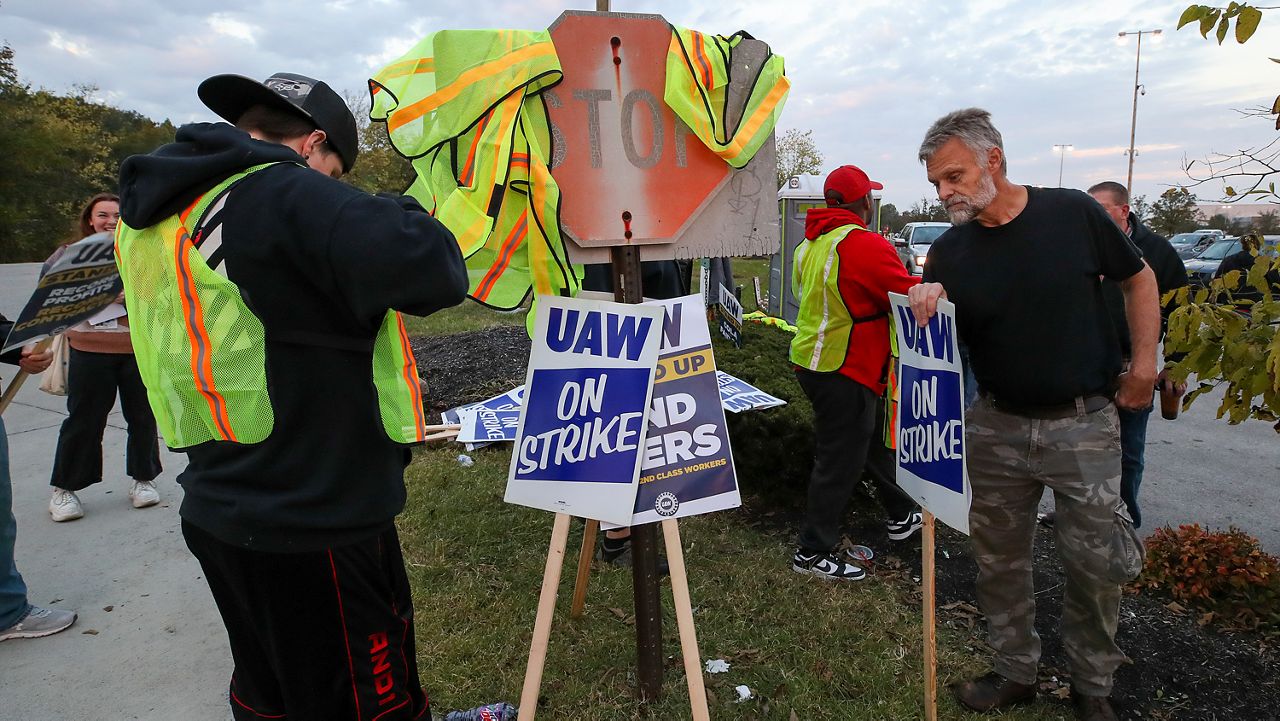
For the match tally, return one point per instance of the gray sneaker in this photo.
(39, 622)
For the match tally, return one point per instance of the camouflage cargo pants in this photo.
(1011, 459)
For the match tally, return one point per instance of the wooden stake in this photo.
(443, 427)
(930, 627)
(441, 435)
(584, 567)
(542, 623)
(684, 620)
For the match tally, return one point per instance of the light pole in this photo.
(1133, 126)
(1062, 156)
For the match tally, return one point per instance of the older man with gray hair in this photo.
(1023, 267)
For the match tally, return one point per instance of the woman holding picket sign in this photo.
(102, 363)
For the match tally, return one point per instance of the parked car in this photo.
(1200, 269)
(1188, 245)
(913, 243)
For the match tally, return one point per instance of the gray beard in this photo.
(968, 207)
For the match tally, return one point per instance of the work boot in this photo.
(1092, 708)
(991, 692)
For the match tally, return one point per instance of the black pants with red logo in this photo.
(323, 636)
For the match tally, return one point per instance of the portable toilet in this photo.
(795, 198)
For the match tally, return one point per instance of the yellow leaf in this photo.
(1191, 14)
(1247, 23)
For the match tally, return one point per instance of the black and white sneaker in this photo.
(827, 566)
(902, 530)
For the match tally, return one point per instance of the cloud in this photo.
(71, 47)
(223, 24)
(868, 77)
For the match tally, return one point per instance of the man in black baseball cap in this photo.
(243, 102)
(272, 287)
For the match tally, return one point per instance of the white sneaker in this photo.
(64, 506)
(143, 494)
(39, 622)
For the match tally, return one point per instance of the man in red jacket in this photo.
(845, 273)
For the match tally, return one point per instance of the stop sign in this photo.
(629, 171)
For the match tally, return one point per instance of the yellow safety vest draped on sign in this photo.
(202, 353)
(466, 107)
(698, 70)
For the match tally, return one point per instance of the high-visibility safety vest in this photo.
(202, 353)
(698, 74)
(823, 325)
(466, 106)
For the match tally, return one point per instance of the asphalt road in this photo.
(149, 643)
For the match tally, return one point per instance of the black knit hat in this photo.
(230, 95)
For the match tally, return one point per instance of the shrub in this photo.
(772, 448)
(1225, 572)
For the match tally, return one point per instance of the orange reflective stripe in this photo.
(411, 379)
(443, 95)
(700, 51)
(508, 249)
(408, 67)
(469, 167)
(762, 113)
(193, 313)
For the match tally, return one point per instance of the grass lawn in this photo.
(819, 650)
(807, 649)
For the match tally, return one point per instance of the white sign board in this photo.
(688, 466)
(737, 395)
(584, 418)
(930, 424)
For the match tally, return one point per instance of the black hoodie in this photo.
(313, 258)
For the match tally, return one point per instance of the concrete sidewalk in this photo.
(160, 652)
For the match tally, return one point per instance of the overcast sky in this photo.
(867, 77)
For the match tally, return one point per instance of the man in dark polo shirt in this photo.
(1170, 275)
(1022, 266)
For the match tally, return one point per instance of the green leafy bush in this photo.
(1225, 572)
(772, 448)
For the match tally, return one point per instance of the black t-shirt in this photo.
(1029, 299)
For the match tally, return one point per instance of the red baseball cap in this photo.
(846, 184)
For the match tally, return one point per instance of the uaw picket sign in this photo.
(631, 172)
(583, 422)
(687, 467)
(930, 427)
(81, 282)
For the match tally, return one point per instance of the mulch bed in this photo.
(1180, 670)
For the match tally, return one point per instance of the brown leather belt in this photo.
(1077, 407)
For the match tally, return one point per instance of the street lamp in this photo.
(1062, 156)
(1133, 127)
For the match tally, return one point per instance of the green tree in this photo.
(890, 216)
(1140, 207)
(58, 150)
(1236, 345)
(380, 169)
(1174, 212)
(1267, 223)
(798, 154)
(1219, 221)
(925, 210)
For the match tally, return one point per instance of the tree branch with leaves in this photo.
(1229, 332)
